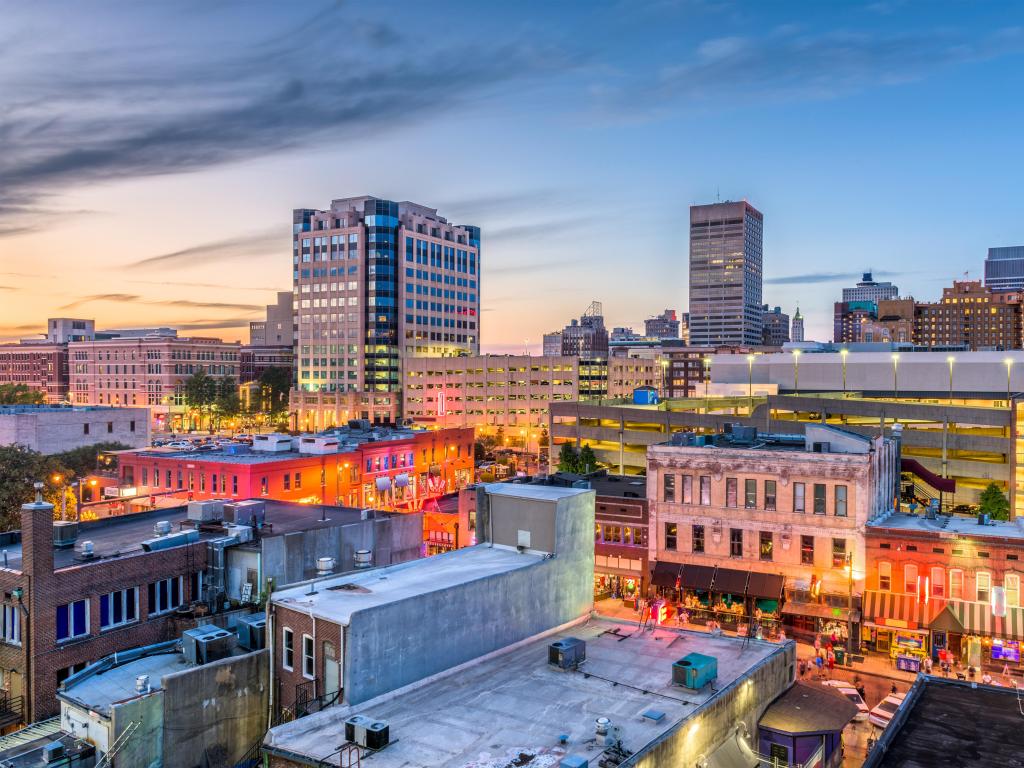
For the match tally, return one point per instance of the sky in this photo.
(151, 154)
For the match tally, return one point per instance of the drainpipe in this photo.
(270, 651)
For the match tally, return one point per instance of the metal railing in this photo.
(306, 703)
(252, 758)
(12, 708)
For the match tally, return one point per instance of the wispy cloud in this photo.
(231, 249)
(132, 298)
(811, 278)
(122, 298)
(537, 229)
(219, 287)
(7, 288)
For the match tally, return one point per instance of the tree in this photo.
(275, 384)
(20, 394)
(588, 461)
(479, 452)
(993, 502)
(20, 468)
(227, 402)
(568, 459)
(200, 392)
(82, 461)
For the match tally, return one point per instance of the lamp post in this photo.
(849, 604)
(750, 384)
(950, 360)
(895, 380)
(707, 378)
(664, 377)
(58, 480)
(796, 371)
(843, 353)
(1009, 364)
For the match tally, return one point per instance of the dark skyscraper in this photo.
(1004, 268)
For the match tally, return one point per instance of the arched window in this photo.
(910, 578)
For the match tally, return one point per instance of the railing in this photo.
(306, 703)
(12, 708)
(253, 758)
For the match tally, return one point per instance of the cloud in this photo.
(7, 288)
(208, 305)
(207, 325)
(133, 298)
(533, 230)
(219, 287)
(812, 278)
(121, 298)
(241, 247)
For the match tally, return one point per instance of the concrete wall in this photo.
(292, 557)
(404, 641)
(214, 713)
(511, 515)
(744, 700)
(62, 429)
(144, 747)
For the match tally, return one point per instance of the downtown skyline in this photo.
(154, 184)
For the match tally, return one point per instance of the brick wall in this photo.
(285, 681)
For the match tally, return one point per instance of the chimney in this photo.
(37, 535)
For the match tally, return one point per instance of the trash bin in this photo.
(840, 655)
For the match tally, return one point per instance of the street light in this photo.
(895, 381)
(707, 378)
(1009, 364)
(796, 371)
(58, 480)
(849, 605)
(950, 360)
(750, 384)
(843, 353)
(664, 377)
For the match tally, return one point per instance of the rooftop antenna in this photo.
(718, 194)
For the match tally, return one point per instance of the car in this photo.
(885, 710)
(850, 692)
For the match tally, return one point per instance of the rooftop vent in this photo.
(142, 683)
(65, 533)
(324, 566)
(171, 540)
(85, 549)
(162, 528)
(363, 558)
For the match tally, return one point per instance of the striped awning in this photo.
(977, 619)
(900, 611)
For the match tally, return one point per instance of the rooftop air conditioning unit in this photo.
(251, 512)
(162, 528)
(190, 642)
(53, 752)
(205, 511)
(567, 653)
(216, 645)
(252, 630)
(694, 671)
(273, 443)
(318, 445)
(65, 533)
(367, 732)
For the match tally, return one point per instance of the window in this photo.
(767, 543)
(668, 488)
(298, 481)
(735, 542)
(840, 501)
(798, 497)
(819, 499)
(956, 584)
(308, 668)
(705, 490)
(769, 495)
(263, 486)
(10, 624)
(72, 620)
(698, 538)
(885, 577)
(85, 429)
(731, 492)
(195, 585)
(983, 586)
(687, 489)
(287, 482)
(119, 608)
(807, 550)
(838, 553)
(164, 595)
(288, 649)
(671, 535)
(937, 582)
(1011, 584)
(750, 494)
(910, 578)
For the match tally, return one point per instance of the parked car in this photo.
(884, 712)
(850, 692)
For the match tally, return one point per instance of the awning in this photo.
(665, 574)
(947, 621)
(730, 582)
(817, 610)
(899, 611)
(766, 585)
(977, 619)
(698, 577)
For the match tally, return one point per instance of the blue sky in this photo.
(877, 136)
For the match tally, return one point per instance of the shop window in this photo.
(698, 539)
(735, 542)
(766, 545)
(885, 577)
(910, 578)
(671, 535)
(840, 501)
(807, 550)
(798, 497)
(1011, 584)
(769, 495)
(731, 494)
(838, 553)
(668, 487)
(597, 532)
(819, 499)
(750, 494)
(956, 584)
(982, 586)
(938, 582)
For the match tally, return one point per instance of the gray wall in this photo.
(214, 713)
(511, 515)
(144, 747)
(396, 644)
(56, 430)
(292, 557)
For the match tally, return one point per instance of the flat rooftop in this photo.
(533, 491)
(509, 709)
(30, 410)
(99, 691)
(951, 525)
(951, 723)
(337, 598)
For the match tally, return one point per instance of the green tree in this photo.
(568, 459)
(20, 394)
(227, 404)
(200, 393)
(479, 452)
(993, 502)
(588, 461)
(20, 468)
(82, 461)
(275, 384)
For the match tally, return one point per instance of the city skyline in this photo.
(179, 214)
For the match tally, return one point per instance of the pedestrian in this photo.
(803, 668)
(1006, 672)
(819, 663)
(831, 663)
(817, 644)
(893, 689)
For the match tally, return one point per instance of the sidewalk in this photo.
(873, 664)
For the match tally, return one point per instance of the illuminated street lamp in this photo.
(895, 380)
(1009, 364)
(664, 377)
(950, 360)
(58, 480)
(750, 384)
(843, 353)
(796, 371)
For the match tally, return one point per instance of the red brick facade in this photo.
(325, 635)
(40, 366)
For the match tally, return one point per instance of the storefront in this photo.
(898, 625)
(764, 596)
(986, 639)
(806, 616)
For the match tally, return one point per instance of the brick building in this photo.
(41, 366)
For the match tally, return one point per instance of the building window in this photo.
(1011, 584)
(885, 577)
(287, 482)
(956, 584)
(671, 535)
(698, 539)
(10, 631)
(798, 497)
(288, 649)
(807, 550)
(298, 481)
(668, 487)
(195, 585)
(750, 494)
(72, 620)
(85, 429)
(687, 489)
(938, 582)
(769, 495)
(819, 499)
(910, 578)
(731, 493)
(308, 667)
(234, 485)
(838, 553)
(767, 545)
(735, 542)
(164, 595)
(705, 490)
(119, 608)
(263, 486)
(840, 501)
(982, 586)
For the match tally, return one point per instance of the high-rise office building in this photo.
(276, 330)
(725, 274)
(774, 326)
(586, 337)
(869, 289)
(663, 326)
(1004, 268)
(375, 281)
(797, 331)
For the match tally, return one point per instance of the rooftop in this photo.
(808, 708)
(337, 598)
(952, 723)
(97, 689)
(511, 707)
(949, 526)
(21, 410)
(532, 491)
(816, 438)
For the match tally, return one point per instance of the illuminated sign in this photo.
(440, 403)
